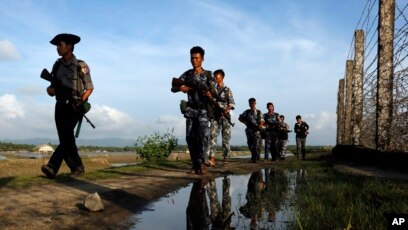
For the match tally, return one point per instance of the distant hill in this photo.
(112, 142)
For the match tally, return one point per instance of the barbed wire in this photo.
(399, 127)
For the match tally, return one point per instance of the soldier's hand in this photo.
(207, 94)
(51, 91)
(184, 89)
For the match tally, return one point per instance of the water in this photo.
(259, 200)
(2, 157)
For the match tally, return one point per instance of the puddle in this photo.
(2, 157)
(260, 200)
(116, 165)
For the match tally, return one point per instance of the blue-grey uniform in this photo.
(271, 135)
(71, 79)
(197, 115)
(252, 119)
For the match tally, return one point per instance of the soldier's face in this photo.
(63, 48)
(196, 60)
(218, 78)
(252, 105)
(271, 108)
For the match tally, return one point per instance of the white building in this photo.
(44, 148)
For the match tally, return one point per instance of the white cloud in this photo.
(322, 127)
(10, 108)
(8, 51)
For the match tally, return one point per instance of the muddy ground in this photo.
(58, 205)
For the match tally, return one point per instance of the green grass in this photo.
(328, 199)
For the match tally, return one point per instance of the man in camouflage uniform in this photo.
(72, 86)
(220, 215)
(253, 120)
(271, 132)
(197, 84)
(283, 136)
(222, 118)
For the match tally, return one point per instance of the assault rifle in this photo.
(49, 77)
(176, 83)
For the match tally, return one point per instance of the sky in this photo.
(290, 52)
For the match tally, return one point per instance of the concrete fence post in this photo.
(340, 113)
(358, 86)
(348, 103)
(385, 75)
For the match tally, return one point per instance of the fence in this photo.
(373, 96)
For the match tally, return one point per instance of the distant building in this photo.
(44, 148)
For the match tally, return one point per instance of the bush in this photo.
(156, 146)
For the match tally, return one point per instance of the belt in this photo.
(64, 101)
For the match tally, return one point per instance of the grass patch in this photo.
(328, 199)
(96, 169)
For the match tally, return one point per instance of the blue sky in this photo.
(289, 52)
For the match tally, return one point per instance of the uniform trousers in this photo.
(197, 135)
(252, 141)
(301, 147)
(271, 145)
(66, 119)
(220, 125)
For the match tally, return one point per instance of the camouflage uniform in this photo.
(271, 135)
(197, 115)
(224, 100)
(252, 120)
(220, 216)
(283, 138)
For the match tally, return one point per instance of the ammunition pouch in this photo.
(183, 106)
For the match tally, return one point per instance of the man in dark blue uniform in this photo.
(71, 86)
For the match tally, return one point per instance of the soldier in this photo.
(271, 132)
(222, 118)
(72, 86)
(283, 136)
(220, 214)
(253, 120)
(197, 83)
(197, 213)
(302, 130)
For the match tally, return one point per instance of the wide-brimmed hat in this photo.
(67, 38)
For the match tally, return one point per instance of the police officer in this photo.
(71, 86)
(222, 118)
(197, 84)
(253, 120)
(271, 132)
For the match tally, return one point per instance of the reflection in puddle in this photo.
(261, 200)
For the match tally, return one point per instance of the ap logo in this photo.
(398, 221)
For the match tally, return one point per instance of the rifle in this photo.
(198, 86)
(221, 112)
(49, 77)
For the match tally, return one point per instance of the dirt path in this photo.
(56, 206)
